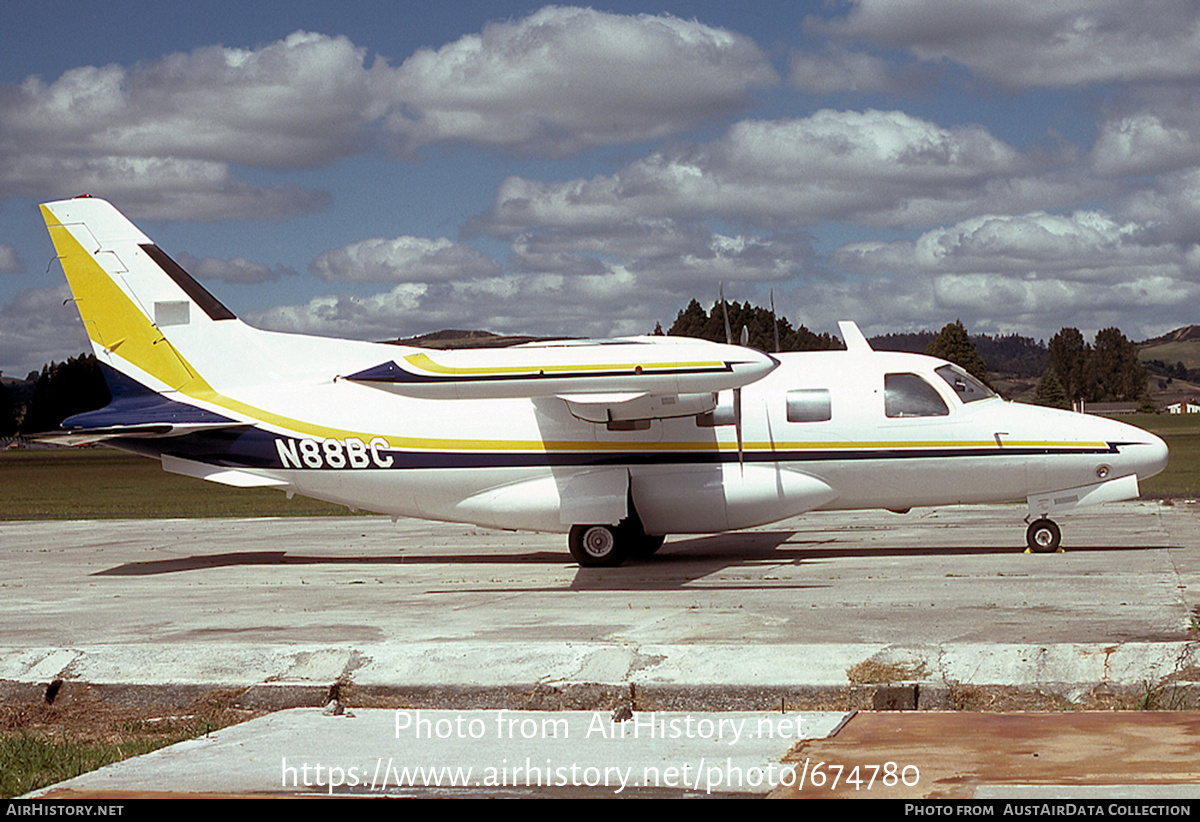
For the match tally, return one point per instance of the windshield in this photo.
(966, 387)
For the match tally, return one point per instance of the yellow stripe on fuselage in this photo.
(426, 363)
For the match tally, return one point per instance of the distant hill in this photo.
(1179, 346)
(1188, 332)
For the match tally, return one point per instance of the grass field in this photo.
(1186, 352)
(1181, 432)
(91, 483)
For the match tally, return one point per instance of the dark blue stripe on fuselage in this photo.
(255, 448)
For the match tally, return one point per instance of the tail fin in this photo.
(139, 307)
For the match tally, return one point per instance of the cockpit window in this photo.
(965, 386)
(907, 395)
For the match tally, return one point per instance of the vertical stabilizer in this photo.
(141, 310)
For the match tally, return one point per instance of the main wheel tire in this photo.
(596, 546)
(1043, 536)
(646, 545)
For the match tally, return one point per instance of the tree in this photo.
(8, 412)
(63, 389)
(1050, 392)
(1070, 357)
(1120, 376)
(694, 321)
(954, 345)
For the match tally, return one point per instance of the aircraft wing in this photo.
(601, 381)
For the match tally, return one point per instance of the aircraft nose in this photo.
(1147, 454)
(1154, 457)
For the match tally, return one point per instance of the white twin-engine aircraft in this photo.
(615, 442)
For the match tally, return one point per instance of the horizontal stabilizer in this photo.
(136, 412)
(87, 436)
(216, 473)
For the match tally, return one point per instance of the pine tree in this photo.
(693, 321)
(1070, 357)
(64, 389)
(1120, 375)
(1050, 392)
(8, 412)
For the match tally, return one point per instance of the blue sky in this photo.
(383, 169)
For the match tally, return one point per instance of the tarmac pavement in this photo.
(863, 607)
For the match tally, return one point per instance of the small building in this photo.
(1108, 409)
(1182, 407)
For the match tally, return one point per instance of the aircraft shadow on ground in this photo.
(680, 561)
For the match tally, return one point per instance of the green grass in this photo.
(1181, 432)
(1186, 352)
(42, 745)
(98, 483)
(30, 761)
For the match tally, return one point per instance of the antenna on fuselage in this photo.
(852, 337)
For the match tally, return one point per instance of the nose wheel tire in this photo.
(1043, 536)
(597, 546)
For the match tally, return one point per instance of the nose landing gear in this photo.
(1043, 536)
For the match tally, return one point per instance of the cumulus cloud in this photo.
(10, 263)
(1170, 209)
(1032, 43)
(160, 188)
(404, 259)
(37, 327)
(877, 167)
(664, 254)
(564, 79)
(836, 69)
(298, 102)
(160, 137)
(1148, 142)
(603, 305)
(1085, 245)
(1013, 272)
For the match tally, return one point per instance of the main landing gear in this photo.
(596, 546)
(1043, 536)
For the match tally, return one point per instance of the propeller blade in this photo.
(737, 426)
(737, 392)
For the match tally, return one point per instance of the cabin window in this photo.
(810, 405)
(907, 395)
(965, 386)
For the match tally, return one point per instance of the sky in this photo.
(385, 169)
